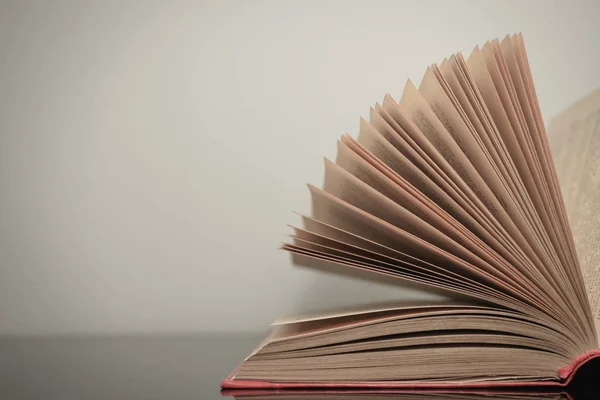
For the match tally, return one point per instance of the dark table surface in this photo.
(173, 367)
(169, 367)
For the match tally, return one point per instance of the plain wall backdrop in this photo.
(152, 152)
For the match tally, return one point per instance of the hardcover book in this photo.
(452, 187)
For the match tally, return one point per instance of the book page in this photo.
(366, 310)
(575, 140)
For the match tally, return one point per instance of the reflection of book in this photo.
(397, 396)
(453, 188)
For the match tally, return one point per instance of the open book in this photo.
(453, 187)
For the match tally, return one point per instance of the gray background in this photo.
(151, 152)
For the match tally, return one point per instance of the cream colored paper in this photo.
(575, 139)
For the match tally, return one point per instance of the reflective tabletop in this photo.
(153, 367)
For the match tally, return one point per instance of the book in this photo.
(453, 188)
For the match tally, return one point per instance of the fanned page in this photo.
(575, 139)
(451, 187)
